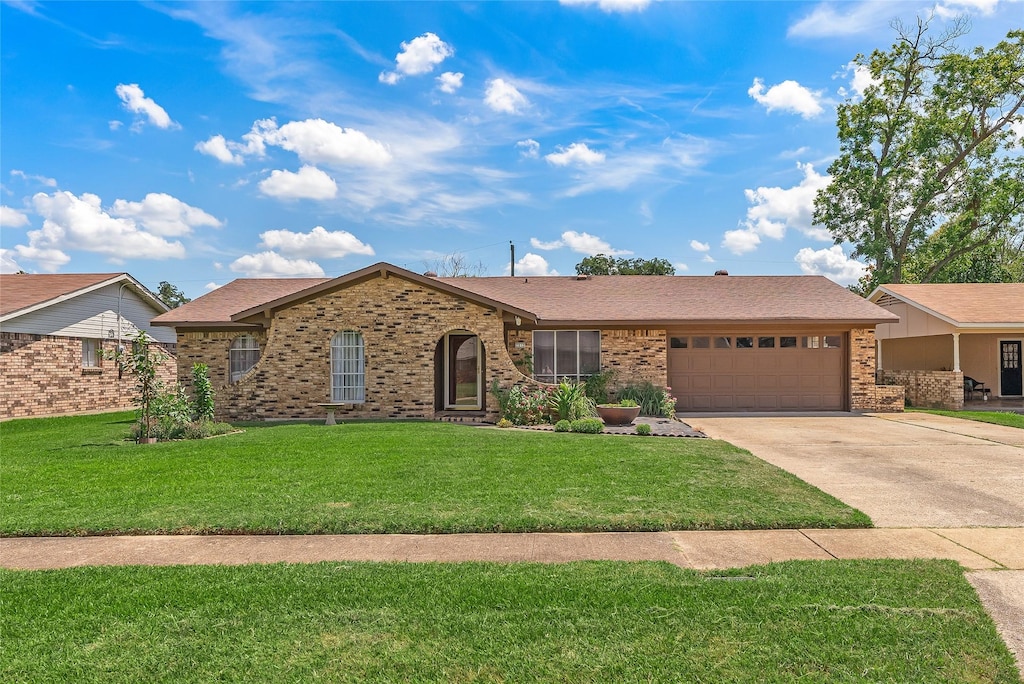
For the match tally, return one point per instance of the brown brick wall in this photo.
(865, 395)
(930, 389)
(43, 376)
(401, 323)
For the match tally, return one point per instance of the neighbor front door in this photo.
(1010, 379)
(462, 361)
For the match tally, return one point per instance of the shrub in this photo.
(643, 429)
(171, 412)
(201, 429)
(588, 425)
(596, 386)
(628, 403)
(569, 401)
(563, 426)
(653, 400)
(504, 423)
(202, 408)
(521, 406)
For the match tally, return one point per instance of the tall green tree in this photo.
(171, 295)
(602, 264)
(929, 170)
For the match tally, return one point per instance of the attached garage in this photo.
(767, 371)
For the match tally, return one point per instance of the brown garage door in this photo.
(766, 372)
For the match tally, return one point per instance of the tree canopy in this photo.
(171, 295)
(602, 264)
(930, 173)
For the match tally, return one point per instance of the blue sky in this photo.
(198, 143)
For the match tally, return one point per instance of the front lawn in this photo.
(832, 621)
(996, 417)
(78, 476)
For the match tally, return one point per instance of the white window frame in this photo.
(348, 368)
(91, 352)
(556, 375)
(243, 354)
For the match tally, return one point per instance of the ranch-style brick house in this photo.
(386, 342)
(55, 331)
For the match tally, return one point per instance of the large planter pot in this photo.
(618, 415)
(147, 440)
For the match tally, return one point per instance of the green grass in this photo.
(78, 476)
(832, 621)
(996, 417)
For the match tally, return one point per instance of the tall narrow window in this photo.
(90, 353)
(348, 374)
(242, 356)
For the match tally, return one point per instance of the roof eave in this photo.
(141, 290)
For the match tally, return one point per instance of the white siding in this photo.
(93, 315)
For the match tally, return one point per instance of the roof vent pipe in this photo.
(721, 272)
(430, 274)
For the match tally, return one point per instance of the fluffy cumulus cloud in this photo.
(610, 6)
(583, 243)
(831, 262)
(419, 56)
(788, 96)
(504, 97)
(318, 242)
(314, 141)
(860, 79)
(71, 222)
(309, 183)
(774, 210)
(577, 154)
(134, 100)
(162, 214)
(217, 147)
(450, 81)
(12, 218)
(533, 265)
(273, 265)
(7, 262)
(698, 246)
(529, 148)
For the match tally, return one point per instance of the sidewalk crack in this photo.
(834, 557)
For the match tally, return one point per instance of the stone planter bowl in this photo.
(618, 415)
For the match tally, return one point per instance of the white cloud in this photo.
(533, 265)
(211, 286)
(12, 218)
(825, 20)
(135, 101)
(72, 222)
(217, 147)
(162, 214)
(317, 242)
(273, 265)
(7, 262)
(774, 210)
(954, 8)
(502, 96)
(860, 80)
(529, 148)
(316, 141)
(42, 180)
(419, 56)
(1018, 129)
(577, 153)
(583, 243)
(309, 183)
(698, 246)
(115, 124)
(610, 6)
(450, 81)
(681, 267)
(832, 263)
(708, 259)
(787, 96)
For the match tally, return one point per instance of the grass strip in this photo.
(995, 417)
(831, 621)
(72, 476)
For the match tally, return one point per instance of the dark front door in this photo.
(1010, 379)
(463, 369)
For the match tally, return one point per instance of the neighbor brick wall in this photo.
(401, 323)
(930, 389)
(43, 376)
(865, 395)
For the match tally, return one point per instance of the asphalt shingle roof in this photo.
(977, 303)
(24, 290)
(238, 295)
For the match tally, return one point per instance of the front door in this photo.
(462, 370)
(1010, 379)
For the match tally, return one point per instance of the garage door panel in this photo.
(765, 379)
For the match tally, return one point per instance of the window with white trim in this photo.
(348, 371)
(566, 354)
(91, 353)
(243, 355)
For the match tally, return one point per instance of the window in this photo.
(833, 341)
(566, 354)
(787, 341)
(348, 372)
(91, 353)
(723, 343)
(744, 342)
(242, 356)
(701, 342)
(766, 342)
(811, 342)
(678, 342)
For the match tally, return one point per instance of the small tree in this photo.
(143, 362)
(602, 264)
(203, 389)
(171, 295)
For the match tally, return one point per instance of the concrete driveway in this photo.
(903, 470)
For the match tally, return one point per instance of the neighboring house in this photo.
(54, 333)
(387, 342)
(947, 332)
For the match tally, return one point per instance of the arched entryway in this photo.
(459, 372)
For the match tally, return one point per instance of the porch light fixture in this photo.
(519, 321)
